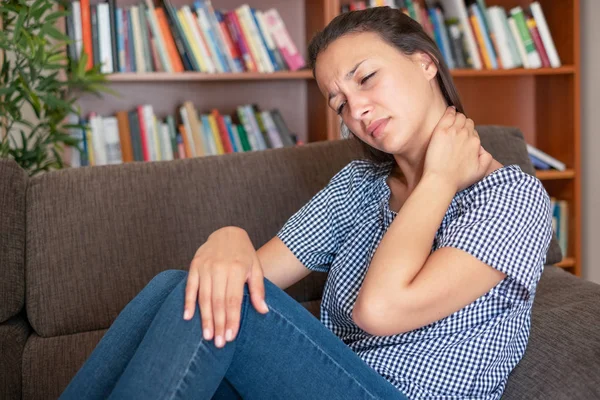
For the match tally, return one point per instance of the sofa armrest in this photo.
(13, 336)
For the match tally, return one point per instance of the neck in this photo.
(409, 164)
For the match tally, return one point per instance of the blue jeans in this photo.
(151, 352)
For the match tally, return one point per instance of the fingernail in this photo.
(228, 335)
(219, 341)
(265, 306)
(206, 334)
(186, 314)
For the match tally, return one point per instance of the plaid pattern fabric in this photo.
(504, 220)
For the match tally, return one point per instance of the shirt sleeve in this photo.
(315, 232)
(508, 227)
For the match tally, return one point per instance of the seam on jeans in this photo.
(323, 351)
(201, 343)
(194, 355)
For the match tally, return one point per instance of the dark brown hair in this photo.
(400, 31)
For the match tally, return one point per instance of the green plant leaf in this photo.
(19, 25)
(54, 33)
(56, 15)
(38, 12)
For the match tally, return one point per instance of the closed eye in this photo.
(366, 78)
(362, 82)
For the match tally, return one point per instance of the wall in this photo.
(590, 123)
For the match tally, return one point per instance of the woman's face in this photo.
(383, 96)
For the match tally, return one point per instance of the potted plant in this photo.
(36, 72)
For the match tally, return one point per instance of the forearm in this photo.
(406, 245)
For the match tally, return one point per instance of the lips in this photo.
(377, 127)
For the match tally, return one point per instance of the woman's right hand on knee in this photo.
(218, 272)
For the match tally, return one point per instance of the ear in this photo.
(425, 62)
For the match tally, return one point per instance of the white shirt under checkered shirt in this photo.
(504, 220)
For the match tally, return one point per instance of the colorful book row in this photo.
(472, 35)
(138, 135)
(197, 37)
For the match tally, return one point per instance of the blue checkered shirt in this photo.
(503, 220)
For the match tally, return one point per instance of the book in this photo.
(537, 41)
(542, 25)
(457, 9)
(285, 44)
(553, 162)
(533, 57)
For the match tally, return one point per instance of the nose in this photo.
(359, 106)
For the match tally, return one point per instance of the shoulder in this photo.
(358, 175)
(508, 188)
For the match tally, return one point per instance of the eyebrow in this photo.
(349, 75)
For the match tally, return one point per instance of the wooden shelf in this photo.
(567, 262)
(202, 76)
(554, 175)
(470, 73)
(307, 74)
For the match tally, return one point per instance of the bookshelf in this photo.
(544, 103)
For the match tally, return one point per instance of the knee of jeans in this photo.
(169, 275)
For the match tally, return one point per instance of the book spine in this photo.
(238, 37)
(183, 46)
(113, 145)
(191, 31)
(263, 36)
(542, 25)
(112, 7)
(252, 139)
(86, 33)
(532, 54)
(537, 40)
(208, 34)
(518, 42)
(121, 35)
(77, 26)
(140, 62)
(104, 38)
(236, 57)
(444, 37)
(257, 54)
(233, 134)
(223, 134)
(124, 136)
(456, 40)
(497, 26)
(282, 38)
(489, 48)
(219, 37)
(160, 44)
(187, 133)
(214, 133)
(172, 51)
(274, 136)
(145, 41)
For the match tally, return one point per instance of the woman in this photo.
(433, 248)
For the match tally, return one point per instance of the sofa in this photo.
(76, 245)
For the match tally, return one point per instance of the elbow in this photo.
(379, 320)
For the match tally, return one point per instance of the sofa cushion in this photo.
(97, 235)
(49, 364)
(562, 358)
(12, 238)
